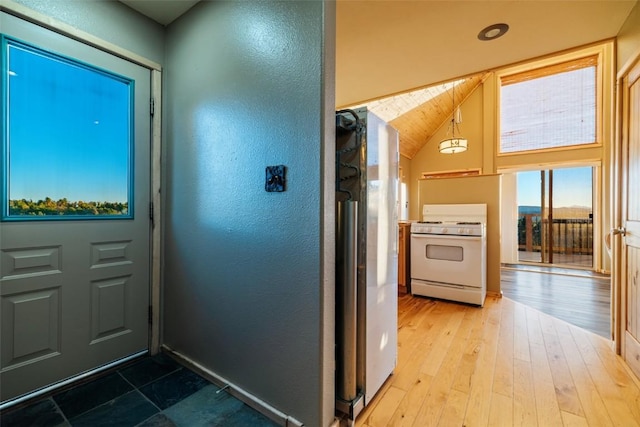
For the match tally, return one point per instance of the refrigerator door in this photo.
(367, 173)
(382, 254)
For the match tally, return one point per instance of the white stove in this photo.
(448, 253)
(462, 228)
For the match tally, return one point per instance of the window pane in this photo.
(555, 216)
(68, 139)
(553, 111)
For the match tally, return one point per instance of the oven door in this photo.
(451, 259)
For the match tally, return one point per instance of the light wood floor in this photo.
(502, 365)
(575, 260)
(582, 298)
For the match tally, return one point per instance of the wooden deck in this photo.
(573, 260)
(506, 364)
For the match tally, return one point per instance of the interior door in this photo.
(74, 283)
(630, 253)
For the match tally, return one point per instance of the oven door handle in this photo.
(444, 236)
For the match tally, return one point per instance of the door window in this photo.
(68, 137)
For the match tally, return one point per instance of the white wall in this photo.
(249, 275)
(509, 219)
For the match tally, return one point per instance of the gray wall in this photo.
(110, 20)
(247, 274)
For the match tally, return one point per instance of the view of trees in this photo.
(65, 207)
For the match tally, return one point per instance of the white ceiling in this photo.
(390, 47)
(161, 11)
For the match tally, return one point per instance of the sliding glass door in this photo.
(555, 216)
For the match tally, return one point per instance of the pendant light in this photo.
(454, 144)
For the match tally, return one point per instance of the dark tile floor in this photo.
(152, 392)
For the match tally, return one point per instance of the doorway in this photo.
(74, 287)
(555, 216)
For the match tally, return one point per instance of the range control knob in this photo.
(445, 230)
(461, 231)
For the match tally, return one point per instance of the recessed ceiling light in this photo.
(492, 32)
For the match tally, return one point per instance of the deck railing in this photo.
(571, 236)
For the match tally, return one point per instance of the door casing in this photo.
(626, 230)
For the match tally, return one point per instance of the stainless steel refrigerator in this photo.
(366, 257)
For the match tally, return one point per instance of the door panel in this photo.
(630, 274)
(74, 289)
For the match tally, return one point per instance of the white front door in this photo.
(630, 254)
(74, 279)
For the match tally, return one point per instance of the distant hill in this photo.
(563, 212)
(524, 210)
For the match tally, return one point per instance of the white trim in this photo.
(156, 237)
(596, 202)
(550, 165)
(60, 27)
(23, 12)
(237, 392)
(597, 193)
(618, 294)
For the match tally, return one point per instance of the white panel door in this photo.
(74, 279)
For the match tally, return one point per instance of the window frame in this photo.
(6, 41)
(548, 66)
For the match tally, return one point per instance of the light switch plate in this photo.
(275, 179)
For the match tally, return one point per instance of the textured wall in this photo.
(110, 20)
(245, 270)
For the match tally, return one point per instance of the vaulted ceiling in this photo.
(418, 114)
(394, 47)
(386, 50)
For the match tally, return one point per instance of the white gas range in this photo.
(448, 253)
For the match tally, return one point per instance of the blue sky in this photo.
(571, 187)
(68, 130)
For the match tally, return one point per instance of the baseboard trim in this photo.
(237, 392)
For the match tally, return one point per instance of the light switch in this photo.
(275, 178)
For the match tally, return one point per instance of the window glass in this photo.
(547, 108)
(68, 137)
(445, 252)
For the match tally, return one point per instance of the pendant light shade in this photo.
(454, 144)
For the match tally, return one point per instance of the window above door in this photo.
(552, 104)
